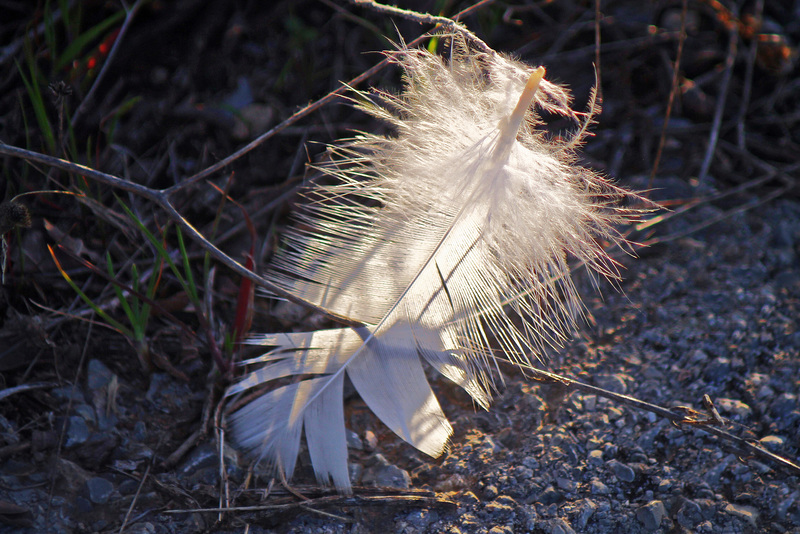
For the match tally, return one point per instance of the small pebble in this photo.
(623, 472)
(651, 514)
(99, 490)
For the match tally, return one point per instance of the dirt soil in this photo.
(102, 434)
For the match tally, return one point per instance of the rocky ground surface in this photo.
(713, 313)
(90, 443)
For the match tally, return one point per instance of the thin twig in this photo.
(673, 91)
(554, 54)
(748, 81)
(135, 497)
(784, 175)
(129, 16)
(9, 51)
(733, 37)
(426, 18)
(255, 143)
(223, 473)
(14, 448)
(7, 392)
(224, 500)
(689, 417)
(598, 70)
(185, 447)
(410, 497)
(161, 199)
(308, 110)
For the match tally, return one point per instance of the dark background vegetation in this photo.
(193, 81)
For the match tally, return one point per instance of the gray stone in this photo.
(623, 472)
(140, 431)
(128, 486)
(651, 514)
(490, 492)
(759, 467)
(469, 498)
(689, 514)
(698, 357)
(528, 518)
(556, 526)
(718, 370)
(598, 488)
(610, 450)
(550, 495)
(141, 528)
(470, 522)
(490, 446)
(77, 433)
(98, 375)
(502, 509)
(747, 513)
(772, 443)
(531, 462)
(85, 411)
(616, 415)
(586, 509)
(383, 474)
(733, 408)
(370, 440)
(99, 490)
(73, 476)
(596, 457)
(566, 484)
(665, 485)
(715, 473)
(783, 405)
(783, 507)
(83, 506)
(648, 438)
(703, 491)
(355, 472)
(201, 457)
(523, 473)
(422, 518)
(353, 441)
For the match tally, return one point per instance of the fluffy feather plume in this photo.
(449, 240)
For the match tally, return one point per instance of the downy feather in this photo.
(449, 239)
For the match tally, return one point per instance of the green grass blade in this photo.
(49, 28)
(191, 287)
(35, 95)
(123, 302)
(162, 252)
(113, 323)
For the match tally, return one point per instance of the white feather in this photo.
(449, 240)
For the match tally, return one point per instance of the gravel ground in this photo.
(704, 310)
(713, 313)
